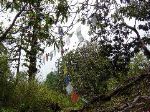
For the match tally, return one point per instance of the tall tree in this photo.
(89, 70)
(108, 21)
(31, 29)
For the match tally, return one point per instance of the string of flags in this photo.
(69, 88)
(78, 32)
(48, 56)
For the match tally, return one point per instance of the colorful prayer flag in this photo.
(67, 80)
(74, 97)
(65, 70)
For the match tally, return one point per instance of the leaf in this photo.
(8, 5)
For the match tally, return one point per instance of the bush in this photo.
(32, 97)
(7, 110)
(36, 97)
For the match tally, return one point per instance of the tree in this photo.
(108, 22)
(31, 28)
(113, 33)
(89, 69)
(6, 78)
(52, 81)
(138, 64)
(139, 11)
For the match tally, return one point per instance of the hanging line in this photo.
(69, 88)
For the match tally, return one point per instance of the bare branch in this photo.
(143, 46)
(2, 38)
(133, 29)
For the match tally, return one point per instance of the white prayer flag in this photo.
(79, 34)
(69, 88)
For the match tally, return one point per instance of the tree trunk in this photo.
(34, 45)
(32, 58)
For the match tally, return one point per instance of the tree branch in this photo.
(138, 102)
(104, 98)
(135, 30)
(143, 46)
(2, 38)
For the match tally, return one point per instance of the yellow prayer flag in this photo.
(65, 70)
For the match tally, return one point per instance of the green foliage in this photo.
(33, 25)
(33, 96)
(138, 64)
(6, 80)
(38, 98)
(7, 110)
(89, 70)
(62, 9)
(92, 72)
(52, 81)
(95, 69)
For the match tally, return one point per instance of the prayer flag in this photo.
(67, 79)
(65, 70)
(79, 34)
(44, 59)
(74, 97)
(60, 31)
(47, 57)
(69, 88)
(94, 20)
(51, 55)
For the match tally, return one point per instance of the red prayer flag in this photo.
(74, 97)
(47, 57)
